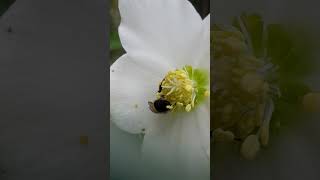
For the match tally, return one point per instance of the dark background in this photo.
(202, 6)
(53, 93)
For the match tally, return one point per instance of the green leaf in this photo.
(114, 41)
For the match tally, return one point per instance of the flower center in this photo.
(182, 89)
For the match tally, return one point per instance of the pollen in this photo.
(181, 88)
(169, 107)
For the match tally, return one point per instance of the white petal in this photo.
(204, 49)
(124, 149)
(177, 143)
(170, 30)
(203, 119)
(132, 84)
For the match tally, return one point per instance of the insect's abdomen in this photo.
(161, 105)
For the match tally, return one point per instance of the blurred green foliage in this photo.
(4, 5)
(254, 26)
(290, 49)
(115, 48)
(114, 41)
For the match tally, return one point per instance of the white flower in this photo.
(160, 36)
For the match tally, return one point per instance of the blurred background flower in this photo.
(257, 77)
(293, 146)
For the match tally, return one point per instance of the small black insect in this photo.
(159, 106)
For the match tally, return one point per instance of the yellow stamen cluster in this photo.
(178, 89)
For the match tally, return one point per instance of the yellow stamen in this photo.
(178, 89)
(188, 87)
(188, 108)
(179, 104)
